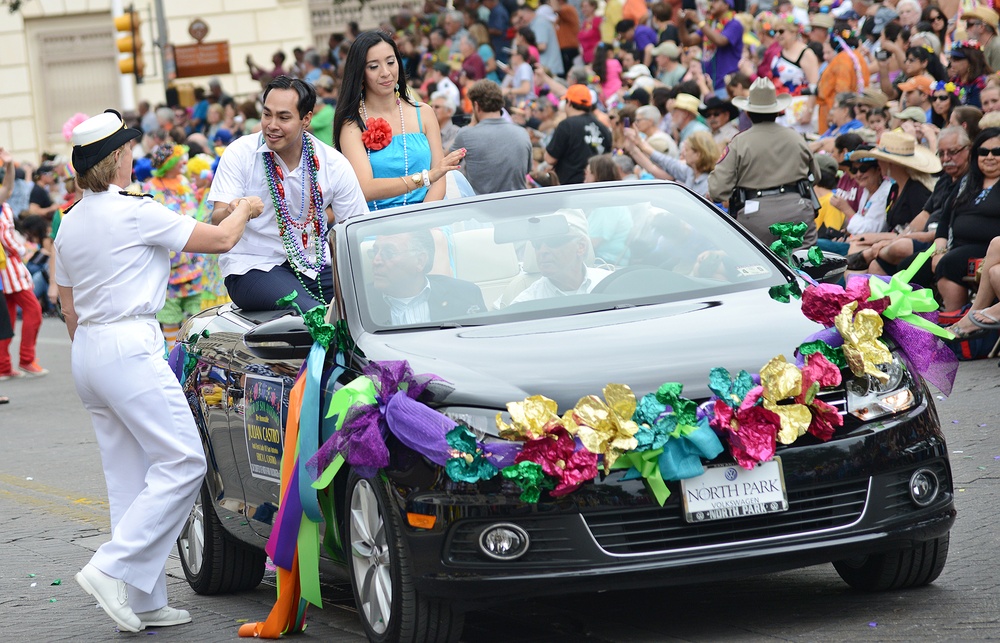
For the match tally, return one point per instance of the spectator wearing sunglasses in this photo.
(938, 22)
(981, 25)
(944, 99)
(967, 228)
(910, 167)
(878, 193)
(892, 254)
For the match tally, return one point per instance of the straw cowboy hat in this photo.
(688, 103)
(763, 98)
(985, 14)
(901, 148)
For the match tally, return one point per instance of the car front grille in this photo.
(835, 397)
(661, 529)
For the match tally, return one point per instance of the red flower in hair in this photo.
(377, 134)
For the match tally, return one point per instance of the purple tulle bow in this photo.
(932, 358)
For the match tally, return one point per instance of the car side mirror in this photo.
(279, 339)
(830, 271)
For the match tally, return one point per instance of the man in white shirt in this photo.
(285, 249)
(562, 260)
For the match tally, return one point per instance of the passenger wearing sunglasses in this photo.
(562, 260)
(971, 223)
(400, 267)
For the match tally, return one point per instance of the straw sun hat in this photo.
(902, 148)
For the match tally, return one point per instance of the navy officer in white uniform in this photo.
(112, 265)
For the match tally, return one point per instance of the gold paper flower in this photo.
(529, 418)
(862, 348)
(782, 381)
(605, 426)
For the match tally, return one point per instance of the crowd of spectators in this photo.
(647, 89)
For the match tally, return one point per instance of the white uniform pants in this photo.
(154, 462)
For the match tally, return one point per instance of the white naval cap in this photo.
(97, 137)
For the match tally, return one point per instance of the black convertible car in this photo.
(558, 293)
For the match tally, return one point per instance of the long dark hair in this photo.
(600, 62)
(942, 120)
(973, 182)
(977, 64)
(352, 89)
(941, 33)
(934, 66)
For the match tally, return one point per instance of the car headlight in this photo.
(482, 421)
(868, 398)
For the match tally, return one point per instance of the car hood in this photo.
(566, 358)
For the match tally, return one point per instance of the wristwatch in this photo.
(418, 180)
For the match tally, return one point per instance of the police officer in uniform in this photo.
(765, 173)
(112, 264)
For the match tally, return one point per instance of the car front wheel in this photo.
(897, 569)
(389, 606)
(213, 561)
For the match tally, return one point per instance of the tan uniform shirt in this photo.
(765, 156)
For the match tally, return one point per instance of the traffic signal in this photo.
(130, 44)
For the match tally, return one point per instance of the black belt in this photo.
(781, 189)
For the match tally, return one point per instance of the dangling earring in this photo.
(397, 93)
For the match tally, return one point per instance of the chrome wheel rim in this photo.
(370, 558)
(192, 538)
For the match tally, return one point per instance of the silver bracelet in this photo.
(427, 178)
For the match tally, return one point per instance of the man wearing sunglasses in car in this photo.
(562, 261)
(407, 293)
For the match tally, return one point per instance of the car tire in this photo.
(381, 575)
(213, 561)
(897, 569)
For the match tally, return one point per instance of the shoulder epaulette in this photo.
(137, 195)
(72, 205)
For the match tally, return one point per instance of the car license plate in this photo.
(730, 491)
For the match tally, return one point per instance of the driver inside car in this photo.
(407, 293)
(562, 262)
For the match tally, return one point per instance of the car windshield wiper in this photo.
(441, 326)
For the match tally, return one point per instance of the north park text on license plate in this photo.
(730, 491)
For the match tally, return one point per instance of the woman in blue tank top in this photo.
(392, 142)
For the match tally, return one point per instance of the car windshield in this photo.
(542, 254)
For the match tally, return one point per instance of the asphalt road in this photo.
(53, 503)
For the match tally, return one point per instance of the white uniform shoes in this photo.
(112, 596)
(164, 617)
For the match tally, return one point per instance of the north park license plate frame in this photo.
(730, 491)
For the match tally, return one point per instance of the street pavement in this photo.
(54, 507)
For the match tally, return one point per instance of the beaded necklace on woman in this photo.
(302, 236)
(402, 134)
